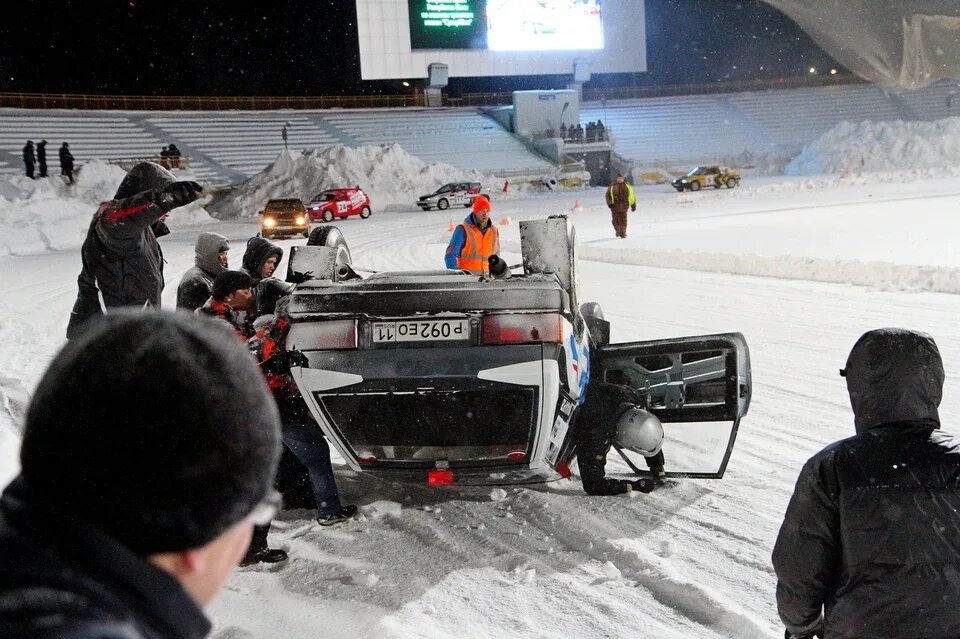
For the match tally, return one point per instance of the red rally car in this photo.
(339, 203)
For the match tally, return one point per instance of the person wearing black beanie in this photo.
(149, 451)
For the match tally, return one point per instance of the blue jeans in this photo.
(307, 443)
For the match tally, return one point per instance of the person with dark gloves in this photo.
(230, 298)
(610, 415)
(474, 240)
(870, 543)
(142, 475)
(211, 257)
(122, 264)
(620, 197)
(301, 434)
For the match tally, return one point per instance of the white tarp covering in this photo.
(899, 45)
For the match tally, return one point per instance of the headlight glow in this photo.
(299, 220)
(269, 222)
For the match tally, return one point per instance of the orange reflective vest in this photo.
(477, 248)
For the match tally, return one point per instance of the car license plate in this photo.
(421, 331)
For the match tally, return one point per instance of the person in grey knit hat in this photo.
(149, 452)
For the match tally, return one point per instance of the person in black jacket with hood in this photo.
(122, 264)
(870, 543)
(260, 261)
(42, 157)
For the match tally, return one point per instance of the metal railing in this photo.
(264, 103)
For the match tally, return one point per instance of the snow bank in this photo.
(392, 178)
(882, 146)
(875, 274)
(43, 215)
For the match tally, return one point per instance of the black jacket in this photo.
(66, 158)
(62, 579)
(197, 283)
(121, 258)
(258, 251)
(595, 425)
(28, 155)
(872, 532)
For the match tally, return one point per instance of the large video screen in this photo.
(506, 25)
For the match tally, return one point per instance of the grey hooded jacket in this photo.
(197, 283)
(871, 536)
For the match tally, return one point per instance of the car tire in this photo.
(365, 212)
(694, 186)
(732, 183)
(468, 205)
(328, 216)
(718, 184)
(443, 204)
(331, 236)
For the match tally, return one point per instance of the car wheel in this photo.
(331, 236)
(442, 204)
(717, 184)
(365, 212)
(468, 205)
(328, 216)
(694, 186)
(732, 183)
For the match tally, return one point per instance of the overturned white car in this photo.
(447, 377)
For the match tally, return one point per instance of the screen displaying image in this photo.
(543, 25)
(454, 24)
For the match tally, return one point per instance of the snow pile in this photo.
(392, 178)
(882, 146)
(43, 215)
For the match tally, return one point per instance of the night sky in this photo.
(281, 47)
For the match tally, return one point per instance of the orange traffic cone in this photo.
(452, 226)
(505, 220)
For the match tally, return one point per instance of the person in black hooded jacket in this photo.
(260, 261)
(122, 264)
(870, 543)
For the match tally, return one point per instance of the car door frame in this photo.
(665, 389)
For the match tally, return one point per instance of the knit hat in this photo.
(228, 282)
(156, 428)
(144, 176)
(481, 204)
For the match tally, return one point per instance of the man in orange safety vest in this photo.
(474, 240)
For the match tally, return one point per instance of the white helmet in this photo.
(639, 430)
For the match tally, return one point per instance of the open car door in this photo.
(699, 387)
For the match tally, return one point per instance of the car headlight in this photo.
(269, 222)
(299, 220)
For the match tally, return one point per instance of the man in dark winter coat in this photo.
(231, 296)
(870, 543)
(42, 157)
(66, 162)
(613, 414)
(122, 264)
(29, 159)
(210, 259)
(260, 261)
(122, 523)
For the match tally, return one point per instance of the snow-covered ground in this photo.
(800, 265)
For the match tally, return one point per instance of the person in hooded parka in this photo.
(211, 257)
(870, 543)
(260, 261)
(122, 264)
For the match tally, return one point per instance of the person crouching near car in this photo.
(141, 477)
(301, 434)
(211, 257)
(870, 542)
(474, 240)
(610, 415)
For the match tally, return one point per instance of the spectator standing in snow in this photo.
(301, 435)
(620, 197)
(870, 543)
(29, 159)
(122, 264)
(210, 256)
(42, 157)
(122, 524)
(66, 162)
(613, 414)
(474, 240)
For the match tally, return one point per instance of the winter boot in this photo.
(345, 513)
(263, 555)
